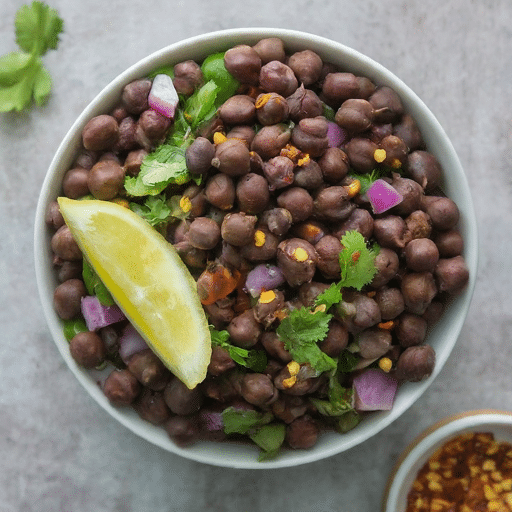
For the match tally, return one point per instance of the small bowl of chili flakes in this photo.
(463, 463)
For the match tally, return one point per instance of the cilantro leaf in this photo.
(269, 438)
(37, 28)
(347, 361)
(330, 296)
(23, 77)
(95, 286)
(201, 106)
(300, 332)
(368, 179)
(153, 210)
(357, 261)
(256, 360)
(242, 421)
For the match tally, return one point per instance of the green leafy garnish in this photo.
(73, 327)
(368, 179)
(300, 331)
(257, 425)
(202, 105)
(338, 405)
(255, 360)
(95, 286)
(347, 361)
(269, 438)
(23, 77)
(153, 210)
(243, 421)
(357, 261)
(330, 296)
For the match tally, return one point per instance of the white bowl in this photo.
(455, 185)
(423, 447)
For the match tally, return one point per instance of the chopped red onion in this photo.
(263, 277)
(163, 96)
(130, 343)
(374, 390)
(212, 420)
(96, 315)
(336, 135)
(383, 196)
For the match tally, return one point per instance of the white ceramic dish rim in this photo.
(455, 185)
(418, 452)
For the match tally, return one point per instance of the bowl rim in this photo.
(432, 437)
(437, 141)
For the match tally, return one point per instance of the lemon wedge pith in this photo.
(147, 279)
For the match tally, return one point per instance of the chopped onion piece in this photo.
(335, 134)
(163, 96)
(383, 196)
(263, 277)
(212, 420)
(96, 315)
(130, 343)
(374, 390)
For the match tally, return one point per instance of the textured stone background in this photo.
(58, 450)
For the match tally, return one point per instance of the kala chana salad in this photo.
(308, 211)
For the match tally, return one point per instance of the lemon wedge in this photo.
(148, 281)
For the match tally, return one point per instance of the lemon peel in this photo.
(148, 281)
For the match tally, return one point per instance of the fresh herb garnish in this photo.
(256, 360)
(95, 286)
(330, 296)
(257, 425)
(269, 438)
(153, 210)
(23, 77)
(242, 421)
(166, 165)
(300, 331)
(357, 261)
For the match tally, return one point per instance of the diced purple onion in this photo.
(163, 96)
(130, 343)
(212, 420)
(263, 277)
(383, 196)
(96, 315)
(374, 390)
(335, 134)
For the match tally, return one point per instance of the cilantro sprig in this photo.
(301, 331)
(258, 426)
(255, 360)
(166, 165)
(23, 78)
(357, 261)
(303, 328)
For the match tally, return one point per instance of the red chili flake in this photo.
(355, 256)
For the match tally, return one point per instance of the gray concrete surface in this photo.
(59, 452)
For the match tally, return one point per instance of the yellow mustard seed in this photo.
(385, 364)
(354, 188)
(259, 238)
(300, 254)
(293, 367)
(219, 138)
(185, 204)
(379, 155)
(262, 100)
(267, 296)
